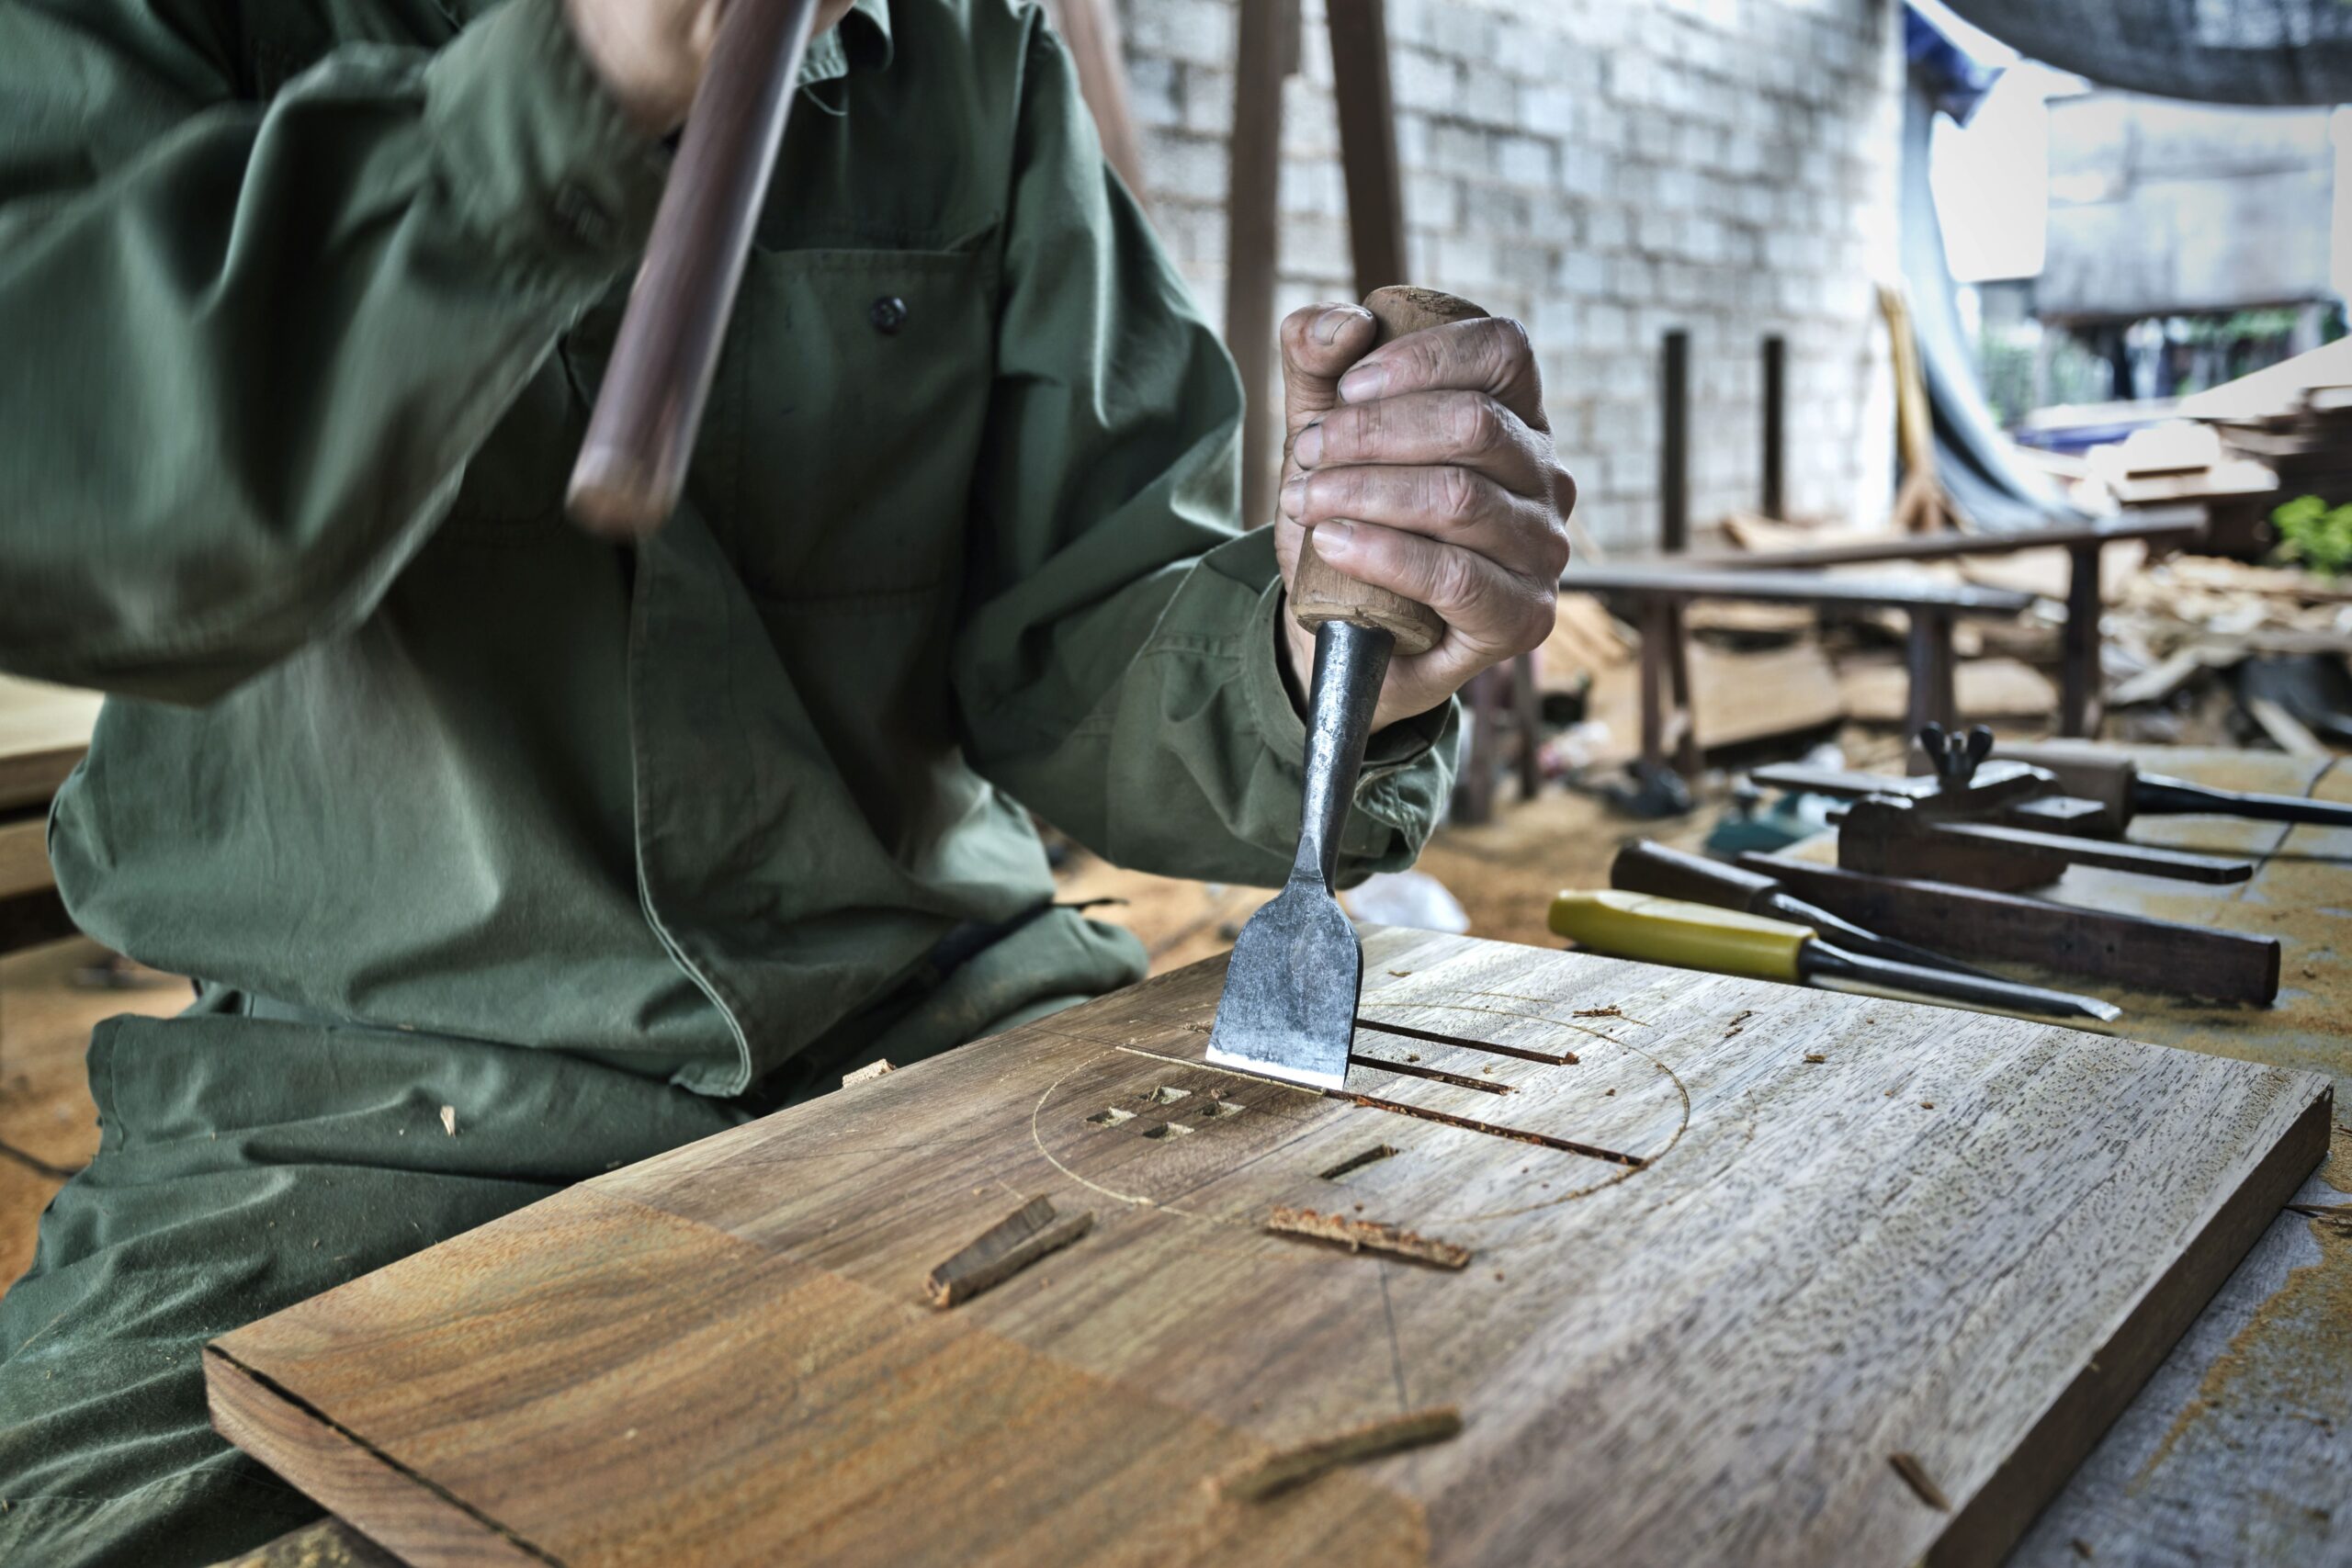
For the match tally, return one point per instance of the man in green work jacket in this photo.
(504, 855)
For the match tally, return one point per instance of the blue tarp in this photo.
(2217, 51)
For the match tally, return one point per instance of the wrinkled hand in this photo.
(1425, 467)
(651, 53)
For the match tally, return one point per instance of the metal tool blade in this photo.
(1854, 939)
(2155, 794)
(1291, 985)
(2007, 995)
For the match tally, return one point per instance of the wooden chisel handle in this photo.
(632, 465)
(1321, 592)
(1647, 866)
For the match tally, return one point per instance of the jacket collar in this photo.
(861, 39)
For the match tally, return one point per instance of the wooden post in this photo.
(1090, 28)
(1776, 357)
(1474, 791)
(1674, 444)
(1368, 142)
(1658, 619)
(1266, 51)
(1527, 713)
(1684, 716)
(1935, 697)
(2079, 682)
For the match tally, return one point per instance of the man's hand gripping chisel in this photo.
(1289, 1008)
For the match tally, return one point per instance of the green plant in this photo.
(2315, 534)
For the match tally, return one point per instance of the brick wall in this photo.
(1604, 170)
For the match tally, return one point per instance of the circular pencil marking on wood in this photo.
(1595, 1051)
(1094, 1124)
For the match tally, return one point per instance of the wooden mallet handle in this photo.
(632, 466)
(1321, 592)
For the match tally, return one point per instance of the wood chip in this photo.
(1270, 1474)
(867, 1073)
(1004, 1249)
(449, 1119)
(1357, 1234)
(1815, 1056)
(1914, 1475)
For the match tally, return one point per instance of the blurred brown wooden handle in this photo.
(632, 466)
(1319, 592)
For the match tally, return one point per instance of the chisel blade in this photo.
(1289, 1008)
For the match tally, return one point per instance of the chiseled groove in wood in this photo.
(330, 1426)
(1991, 1522)
(1566, 1146)
(1435, 1074)
(1430, 1037)
(1422, 1113)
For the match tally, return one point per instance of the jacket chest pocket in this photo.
(846, 419)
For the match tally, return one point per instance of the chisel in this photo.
(2123, 791)
(1291, 986)
(1646, 867)
(1730, 941)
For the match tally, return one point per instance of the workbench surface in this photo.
(2239, 1449)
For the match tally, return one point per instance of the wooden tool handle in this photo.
(633, 464)
(1321, 592)
(1646, 866)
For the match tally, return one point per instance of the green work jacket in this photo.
(302, 307)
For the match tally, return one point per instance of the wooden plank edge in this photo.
(380, 1497)
(1991, 1523)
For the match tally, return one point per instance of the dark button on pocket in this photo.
(887, 314)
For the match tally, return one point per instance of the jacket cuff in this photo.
(1408, 767)
(535, 149)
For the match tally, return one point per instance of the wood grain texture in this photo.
(2239, 1449)
(1717, 1283)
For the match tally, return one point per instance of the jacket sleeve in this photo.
(1116, 664)
(249, 346)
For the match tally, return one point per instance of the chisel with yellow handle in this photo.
(1730, 941)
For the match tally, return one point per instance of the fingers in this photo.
(1319, 343)
(1490, 612)
(1472, 429)
(1491, 355)
(1452, 504)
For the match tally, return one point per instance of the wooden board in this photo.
(1736, 697)
(1716, 1287)
(43, 732)
(2239, 1450)
(1985, 688)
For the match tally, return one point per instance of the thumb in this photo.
(1320, 343)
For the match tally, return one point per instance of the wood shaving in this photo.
(449, 1119)
(1915, 1476)
(1004, 1249)
(1270, 1474)
(869, 1072)
(1357, 1234)
(1815, 1056)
